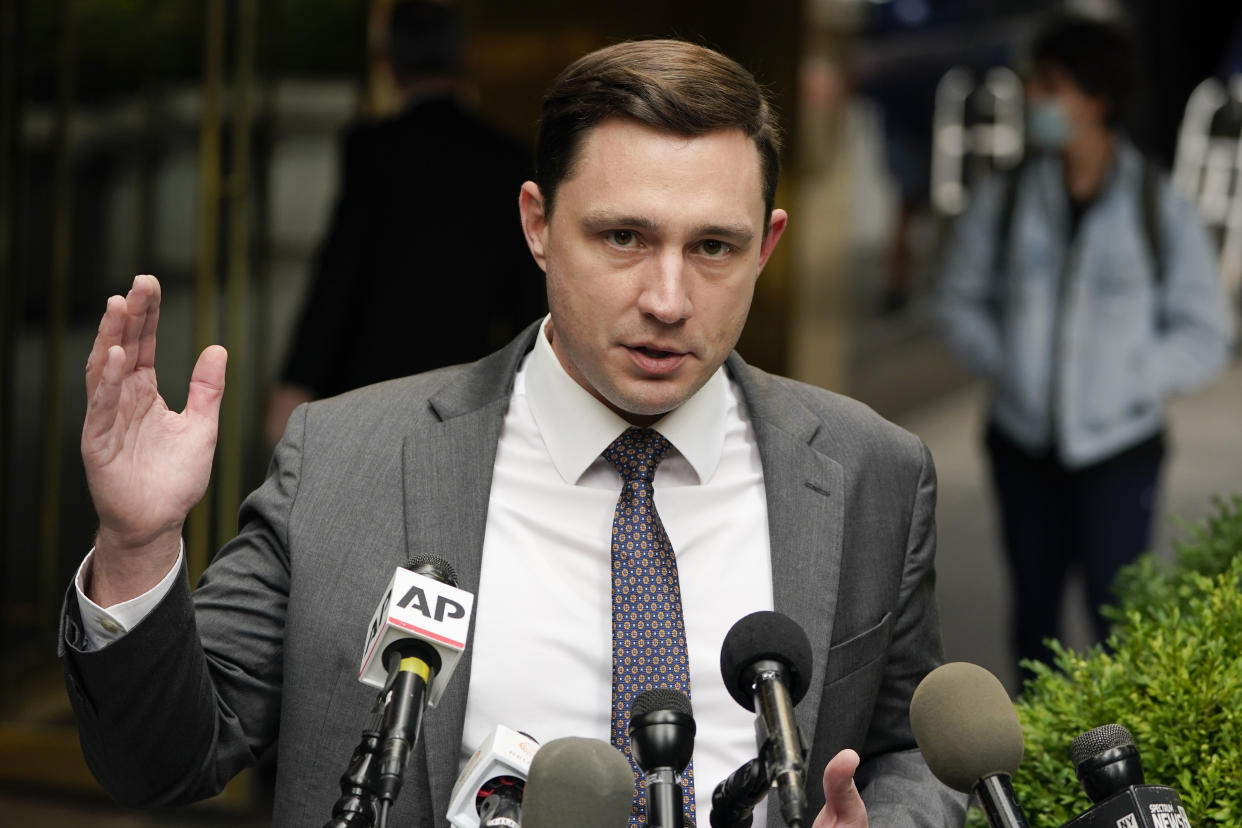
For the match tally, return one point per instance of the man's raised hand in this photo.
(146, 466)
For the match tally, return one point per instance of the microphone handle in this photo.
(403, 716)
(664, 799)
(782, 749)
(1000, 805)
(734, 800)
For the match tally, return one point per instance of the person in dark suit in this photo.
(652, 214)
(423, 264)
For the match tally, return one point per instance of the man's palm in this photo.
(146, 466)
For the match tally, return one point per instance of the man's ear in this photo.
(534, 222)
(776, 226)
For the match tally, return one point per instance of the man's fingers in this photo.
(840, 792)
(146, 337)
(102, 405)
(137, 306)
(207, 384)
(110, 328)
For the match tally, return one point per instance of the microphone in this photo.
(1106, 761)
(661, 732)
(576, 782)
(422, 603)
(414, 641)
(970, 736)
(1108, 765)
(488, 792)
(766, 665)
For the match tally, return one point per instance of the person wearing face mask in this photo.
(1084, 290)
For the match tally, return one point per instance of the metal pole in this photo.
(232, 427)
(8, 231)
(57, 309)
(198, 529)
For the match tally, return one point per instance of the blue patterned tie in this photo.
(648, 635)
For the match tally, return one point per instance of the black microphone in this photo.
(417, 634)
(1108, 765)
(414, 641)
(661, 732)
(576, 782)
(766, 665)
(1106, 761)
(970, 736)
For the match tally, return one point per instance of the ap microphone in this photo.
(1108, 765)
(766, 665)
(489, 790)
(415, 638)
(970, 736)
(661, 732)
(576, 782)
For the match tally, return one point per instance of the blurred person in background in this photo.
(1085, 291)
(424, 224)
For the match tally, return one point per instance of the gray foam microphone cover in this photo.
(576, 782)
(965, 725)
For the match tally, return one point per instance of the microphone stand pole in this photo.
(734, 800)
(357, 805)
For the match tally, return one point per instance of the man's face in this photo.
(651, 256)
(1053, 87)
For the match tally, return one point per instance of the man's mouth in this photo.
(654, 360)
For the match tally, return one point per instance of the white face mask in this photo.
(1047, 126)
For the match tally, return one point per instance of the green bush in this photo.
(1171, 673)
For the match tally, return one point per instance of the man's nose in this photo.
(665, 293)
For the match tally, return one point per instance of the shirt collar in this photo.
(576, 427)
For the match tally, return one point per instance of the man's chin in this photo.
(645, 409)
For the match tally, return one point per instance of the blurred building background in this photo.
(198, 141)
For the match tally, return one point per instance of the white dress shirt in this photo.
(544, 596)
(542, 651)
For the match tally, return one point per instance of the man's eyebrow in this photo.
(599, 220)
(739, 234)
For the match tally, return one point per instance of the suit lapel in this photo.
(447, 475)
(805, 497)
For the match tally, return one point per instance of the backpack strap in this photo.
(1150, 184)
(1009, 201)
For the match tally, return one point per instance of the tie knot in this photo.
(636, 453)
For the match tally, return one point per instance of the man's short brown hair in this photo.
(668, 85)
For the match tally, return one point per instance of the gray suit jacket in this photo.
(282, 611)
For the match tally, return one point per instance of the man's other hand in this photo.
(843, 806)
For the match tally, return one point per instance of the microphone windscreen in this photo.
(965, 725)
(1098, 740)
(762, 636)
(576, 782)
(432, 566)
(661, 698)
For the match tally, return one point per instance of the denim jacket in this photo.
(1080, 340)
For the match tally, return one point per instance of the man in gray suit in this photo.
(652, 216)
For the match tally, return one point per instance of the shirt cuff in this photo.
(103, 626)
